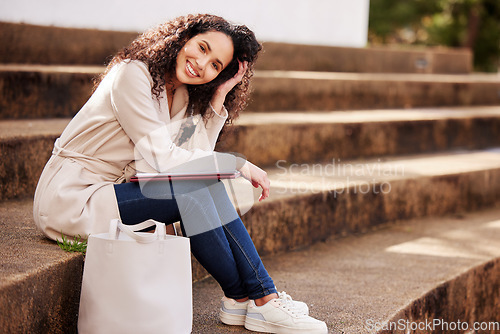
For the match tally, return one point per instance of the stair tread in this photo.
(355, 278)
(54, 126)
(18, 227)
(354, 282)
(59, 91)
(346, 282)
(289, 179)
(89, 69)
(316, 75)
(366, 116)
(415, 77)
(11, 129)
(23, 249)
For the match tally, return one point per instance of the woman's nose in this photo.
(202, 62)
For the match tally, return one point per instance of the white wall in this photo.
(324, 22)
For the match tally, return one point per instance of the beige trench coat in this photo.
(121, 129)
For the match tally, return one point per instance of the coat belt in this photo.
(93, 164)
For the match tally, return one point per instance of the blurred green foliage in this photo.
(473, 24)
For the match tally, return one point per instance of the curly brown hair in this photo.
(159, 47)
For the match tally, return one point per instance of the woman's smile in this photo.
(190, 70)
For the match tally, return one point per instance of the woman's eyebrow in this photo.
(210, 49)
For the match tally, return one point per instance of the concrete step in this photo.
(347, 197)
(308, 205)
(24, 43)
(33, 44)
(39, 283)
(436, 271)
(25, 145)
(321, 136)
(292, 90)
(25, 148)
(35, 91)
(294, 57)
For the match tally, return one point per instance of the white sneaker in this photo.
(277, 316)
(233, 312)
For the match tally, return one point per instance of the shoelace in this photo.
(286, 298)
(290, 309)
(288, 301)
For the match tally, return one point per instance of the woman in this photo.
(160, 106)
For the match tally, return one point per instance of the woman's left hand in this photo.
(220, 94)
(257, 177)
(226, 87)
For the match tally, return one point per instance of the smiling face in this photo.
(203, 57)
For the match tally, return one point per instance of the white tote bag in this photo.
(136, 282)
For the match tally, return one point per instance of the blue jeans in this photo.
(219, 240)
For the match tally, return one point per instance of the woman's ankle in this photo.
(265, 299)
(241, 300)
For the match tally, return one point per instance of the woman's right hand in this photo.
(257, 177)
(220, 94)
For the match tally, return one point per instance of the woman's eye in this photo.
(215, 66)
(202, 48)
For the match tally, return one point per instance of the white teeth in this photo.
(190, 69)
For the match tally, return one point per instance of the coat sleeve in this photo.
(215, 125)
(134, 109)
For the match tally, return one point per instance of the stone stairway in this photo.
(403, 275)
(362, 165)
(46, 91)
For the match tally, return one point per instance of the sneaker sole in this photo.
(232, 319)
(268, 327)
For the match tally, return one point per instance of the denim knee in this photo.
(197, 212)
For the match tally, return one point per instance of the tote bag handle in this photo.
(160, 232)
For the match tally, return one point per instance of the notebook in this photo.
(185, 176)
